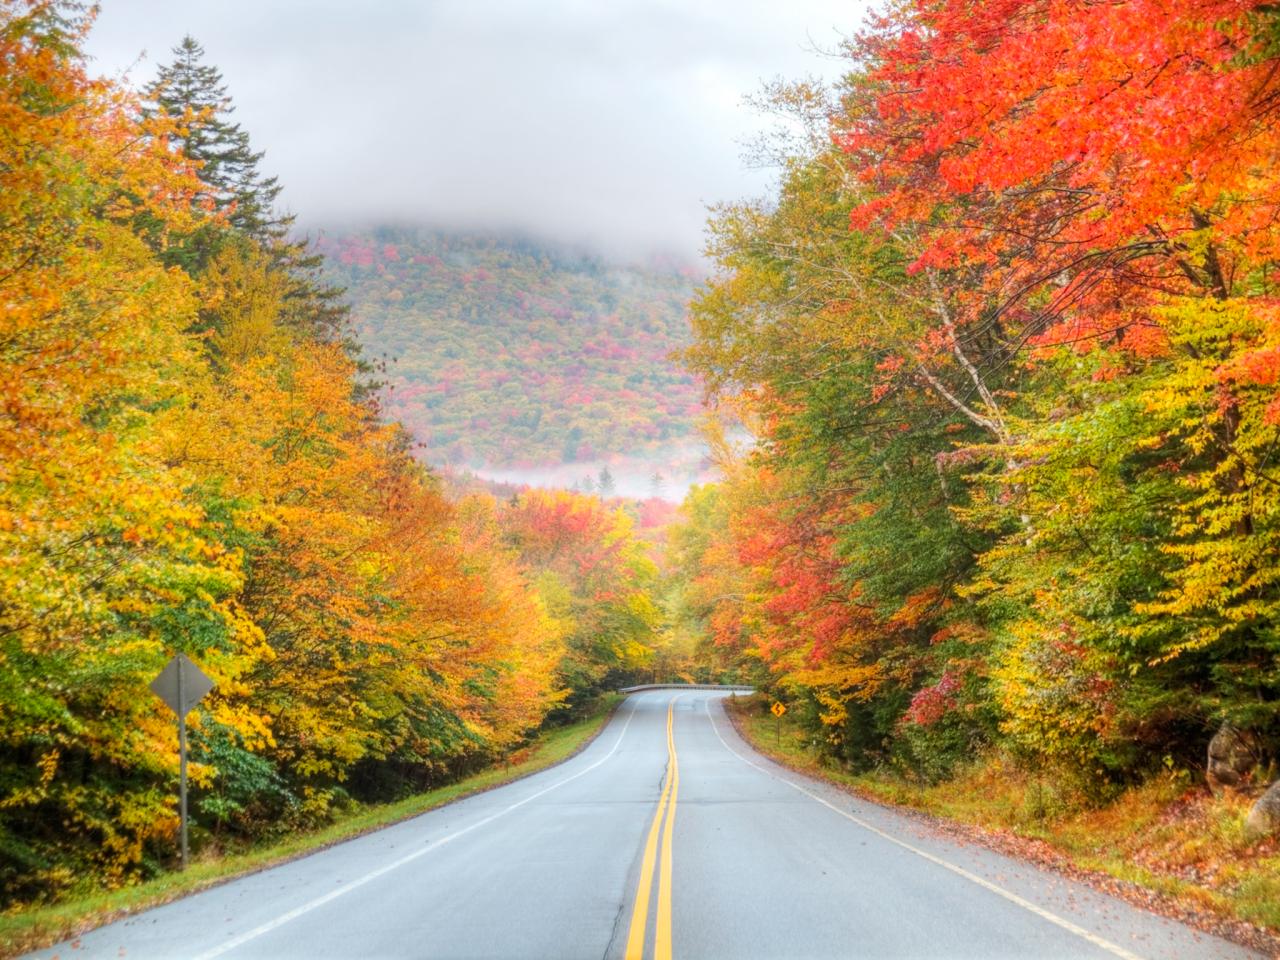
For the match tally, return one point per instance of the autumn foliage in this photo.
(190, 461)
(512, 353)
(1007, 341)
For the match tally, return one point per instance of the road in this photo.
(667, 837)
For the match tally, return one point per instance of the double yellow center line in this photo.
(666, 812)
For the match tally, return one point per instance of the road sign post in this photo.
(181, 685)
(778, 709)
(182, 769)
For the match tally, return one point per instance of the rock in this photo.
(1233, 754)
(1264, 816)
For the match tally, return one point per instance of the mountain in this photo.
(523, 361)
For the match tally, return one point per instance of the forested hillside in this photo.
(514, 354)
(190, 462)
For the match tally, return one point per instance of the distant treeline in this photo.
(506, 352)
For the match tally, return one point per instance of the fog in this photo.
(667, 472)
(609, 125)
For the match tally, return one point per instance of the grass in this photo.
(31, 928)
(1169, 836)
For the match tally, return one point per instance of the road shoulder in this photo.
(761, 737)
(34, 928)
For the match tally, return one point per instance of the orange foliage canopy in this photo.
(1077, 152)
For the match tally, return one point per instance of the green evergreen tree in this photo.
(192, 92)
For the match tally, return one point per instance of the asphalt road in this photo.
(666, 837)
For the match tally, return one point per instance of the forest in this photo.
(505, 352)
(1004, 338)
(194, 458)
(1007, 340)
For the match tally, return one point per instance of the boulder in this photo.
(1233, 755)
(1264, 816)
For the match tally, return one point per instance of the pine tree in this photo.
(192, 92)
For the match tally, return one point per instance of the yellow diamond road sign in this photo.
(778, 709)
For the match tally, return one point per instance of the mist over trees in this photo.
(513, 354)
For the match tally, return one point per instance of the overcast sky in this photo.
(607, 122)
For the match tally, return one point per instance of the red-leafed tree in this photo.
(1085, 157)
(595, 579)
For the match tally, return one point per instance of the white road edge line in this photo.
(332, 895)
(1009, 895)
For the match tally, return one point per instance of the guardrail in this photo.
(733, 688)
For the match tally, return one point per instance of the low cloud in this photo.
(610, 125)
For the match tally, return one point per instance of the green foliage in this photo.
(191, 92)
(236, 200)
(249, 794)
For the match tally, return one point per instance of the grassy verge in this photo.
(34, 927)
(1169, 838)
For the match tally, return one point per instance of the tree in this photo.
(1014, 470)
(595, 579)
(187, 466)
(191, 93)
(108, 561)
(238, 203)
(605, 482)
(1085, 187)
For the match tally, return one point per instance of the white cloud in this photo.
(609, 123)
